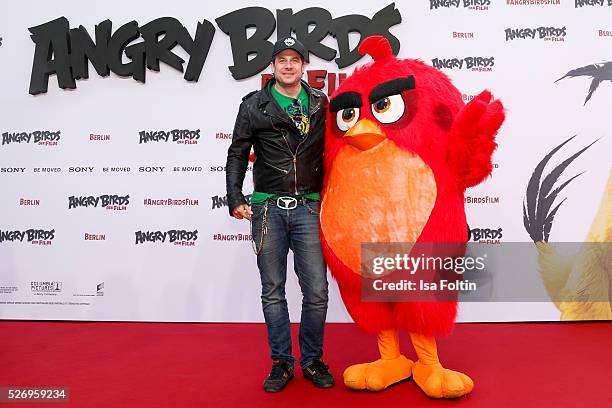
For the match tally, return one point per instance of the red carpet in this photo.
(181, 365)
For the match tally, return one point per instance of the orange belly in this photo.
(384, 194)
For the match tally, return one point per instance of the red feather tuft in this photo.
(377, 47)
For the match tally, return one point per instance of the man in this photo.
(285, 124)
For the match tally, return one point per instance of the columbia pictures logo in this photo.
(46, 287)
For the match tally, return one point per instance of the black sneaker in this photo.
(281, 374)
(318, 373)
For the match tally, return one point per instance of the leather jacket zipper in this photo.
(277, 168)
(295, 172)
(316, 108)
(294, 155)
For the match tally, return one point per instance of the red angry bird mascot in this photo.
(401, 148)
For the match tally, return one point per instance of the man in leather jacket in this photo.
(285, 124)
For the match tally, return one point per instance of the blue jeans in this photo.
(298, 230)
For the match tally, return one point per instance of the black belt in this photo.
(289, 203)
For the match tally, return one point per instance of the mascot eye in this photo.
(389, 109)
(346, 118)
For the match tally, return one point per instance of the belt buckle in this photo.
(286, 203)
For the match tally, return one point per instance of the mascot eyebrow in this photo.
(353, 99)
(391, 87)
(345, 100)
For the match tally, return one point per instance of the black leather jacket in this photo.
(285, 163)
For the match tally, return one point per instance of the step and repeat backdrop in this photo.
(116, 117)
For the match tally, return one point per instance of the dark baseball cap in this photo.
(290, 43)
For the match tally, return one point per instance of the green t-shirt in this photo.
(296, 109)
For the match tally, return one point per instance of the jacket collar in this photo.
(265, 96)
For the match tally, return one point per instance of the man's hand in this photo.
(242, 211)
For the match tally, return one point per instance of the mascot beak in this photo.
(365, 134)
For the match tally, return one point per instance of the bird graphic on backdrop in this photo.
(401, 148)
(599, 72)
(579, 285)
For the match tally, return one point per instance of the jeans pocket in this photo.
(257, 210)
(313, 207)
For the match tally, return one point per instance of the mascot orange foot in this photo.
(392, 367)
(401, 147)
(435, 380)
